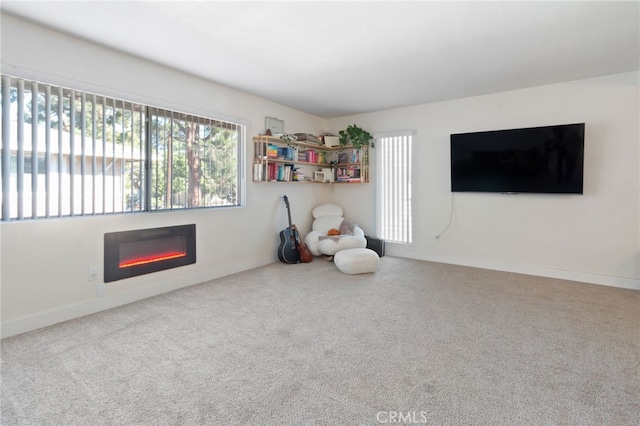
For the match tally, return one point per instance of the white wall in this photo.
(592, 237)
(44, 276)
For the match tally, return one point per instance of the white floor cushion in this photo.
(356, 261)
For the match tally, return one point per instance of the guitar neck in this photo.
(286, 201)
(289, 215)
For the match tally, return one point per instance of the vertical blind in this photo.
(393, 154)
(70, 153)
(197, 161)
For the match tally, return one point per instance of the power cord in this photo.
(453, 206)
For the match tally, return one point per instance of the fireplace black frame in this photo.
(113, 242)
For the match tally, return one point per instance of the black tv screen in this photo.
(545, 159)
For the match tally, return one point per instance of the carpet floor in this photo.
(414, 343)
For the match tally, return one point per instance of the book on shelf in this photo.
(348, 179)
(276, 172)
(349, 157)
(272, 151)
(260, 149)
(308, 156)
(273, 171)
(283, 172)
(288, 153)
(348, 172)
(258, 172)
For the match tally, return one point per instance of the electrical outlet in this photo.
(101, 290)
(93, 273)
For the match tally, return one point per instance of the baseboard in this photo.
(44, 319)
(113, 300)
(612, 281)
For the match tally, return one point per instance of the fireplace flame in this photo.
(150, 259)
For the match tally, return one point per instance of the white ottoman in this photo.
(356, 261)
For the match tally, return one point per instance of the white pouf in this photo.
(356, 261)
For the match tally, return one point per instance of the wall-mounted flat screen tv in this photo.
(545, 159)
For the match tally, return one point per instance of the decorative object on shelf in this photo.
(329, 175)
(356, 136)
(274, 125)
(333, 166)
(331, 141)
(288, 137)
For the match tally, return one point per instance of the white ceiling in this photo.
(335, 59)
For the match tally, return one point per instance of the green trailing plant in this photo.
(354, 135)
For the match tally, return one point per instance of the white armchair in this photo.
(330, 216)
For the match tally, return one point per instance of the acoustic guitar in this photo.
(305, 255)
(288, 251)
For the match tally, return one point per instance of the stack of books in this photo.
(348, 174)
(309, 156)
(308, 138)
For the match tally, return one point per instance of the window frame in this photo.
(15, 184)
(394, 211)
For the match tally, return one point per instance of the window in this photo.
(393, 153)
(70, 153)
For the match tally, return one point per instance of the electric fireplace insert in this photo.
(143, 251)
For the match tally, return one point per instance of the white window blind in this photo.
(393, 153)
(70, 153)
(195, 161)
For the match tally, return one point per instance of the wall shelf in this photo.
(276, 160)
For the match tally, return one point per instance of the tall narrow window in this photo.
(393, 169)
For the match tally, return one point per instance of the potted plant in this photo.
(355, 136)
